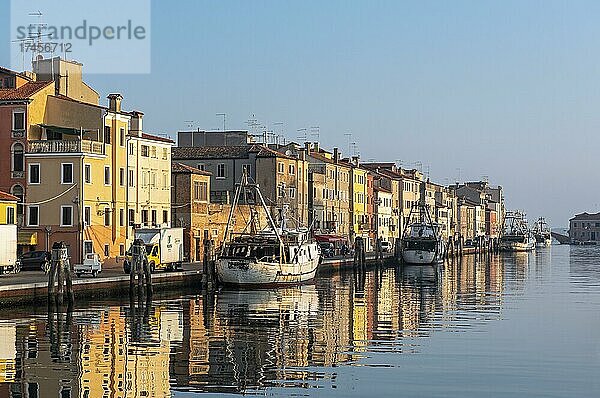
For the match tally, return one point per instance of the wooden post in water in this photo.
(51, 280)
(359, 252)
(208, 261)
(60, 273)
(147, 274)
(139, 269)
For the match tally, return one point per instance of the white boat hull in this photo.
(517, 246)
(411, 256)
(236, 271)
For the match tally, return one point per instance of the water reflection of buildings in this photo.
(113, 365)
(237, 341)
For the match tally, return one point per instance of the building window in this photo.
(200, 191)
(19, 120)
(122, 177)
(122, 136)
(66, 216)
(131, 148)
(153, 217)
(88, 247)
(221, 170)
(107, 134)
(131, 178)
(292, 193)
(145, 151)
(165, 155)
(10, 215)
(280, 167)
(34, 173)
(87, 173)
(292, 169)
(106, 250)
(201, 166)
(107, 217)
(121, 217)
(165, 216)
(246, 169)
(87, 216)
(17, 191)
(66, 173)
(153, 152)
(131, 217)
(121, 250)
(145, 217)
(18, 159)
(106, 175)
(33, 216)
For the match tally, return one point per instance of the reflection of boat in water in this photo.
(541, 232)
(272, 255)
(422, 242)
(424, 274)
(517, 235)
(300, 299)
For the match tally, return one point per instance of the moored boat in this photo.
(422, 242)
(273, 255)
(541, 232)
(517, 236)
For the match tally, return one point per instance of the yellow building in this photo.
(358, 203)
(8, 208)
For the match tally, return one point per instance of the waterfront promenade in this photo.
(29, 287)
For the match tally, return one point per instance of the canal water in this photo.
(511, 325)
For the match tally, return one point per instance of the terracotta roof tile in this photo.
(22, 93)
(225, 152)
(586, 216)
(177, 167)
(157, 138)
(8, 197)
(210, 152)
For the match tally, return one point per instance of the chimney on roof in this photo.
(336, 155)
(307, 147)
(302, 154)
(114, 102)
(355, 160)
(316, 146)
(136, 123)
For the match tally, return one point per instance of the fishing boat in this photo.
(422, 241)
(517, 236)
(541, 232)
(269, 255)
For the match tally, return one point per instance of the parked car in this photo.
(91, 266)
(35, 261)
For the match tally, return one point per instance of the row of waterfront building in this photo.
(89, 174)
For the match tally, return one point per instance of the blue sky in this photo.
(505, 89)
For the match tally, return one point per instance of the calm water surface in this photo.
(521, 325)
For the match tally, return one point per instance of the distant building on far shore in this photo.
(585, 227)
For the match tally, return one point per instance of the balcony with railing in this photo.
(66, 146)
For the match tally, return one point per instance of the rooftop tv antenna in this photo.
(302, 134)
(315, 132)
(349, 137)
(33, 41)
(224, 115)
